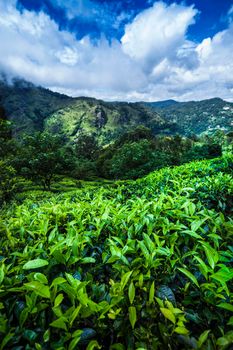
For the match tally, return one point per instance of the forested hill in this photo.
(197, 116)
(28, 105)
(34, 108)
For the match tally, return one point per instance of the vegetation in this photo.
(33, 109)
(41, 157)
(8, 183)
(142, 263)
(7, 148)
(128, 265)
(196, 117)
(138, 152)
(28, 106)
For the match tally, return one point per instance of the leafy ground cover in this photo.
(143, 264)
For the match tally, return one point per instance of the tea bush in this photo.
(128, 265)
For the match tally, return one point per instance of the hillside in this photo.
(34, 108)
(104, 119)
(197, 116)
(28, 105)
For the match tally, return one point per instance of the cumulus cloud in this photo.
(157, 32)
(37, 50)
(154, 60)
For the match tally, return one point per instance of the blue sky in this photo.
(98, 17)
(121, 50)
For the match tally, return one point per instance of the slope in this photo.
(196, 117)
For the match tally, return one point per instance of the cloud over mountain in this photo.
(153, 60)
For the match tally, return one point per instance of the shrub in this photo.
(7, 182)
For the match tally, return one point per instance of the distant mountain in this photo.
(34, 108)
(198, 116)
(28, 106)
(106, 120)
(162, 104)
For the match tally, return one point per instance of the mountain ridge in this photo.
(33, 108)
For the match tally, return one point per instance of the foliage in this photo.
(138, 152)
(86, 146)
(84, 169)
(202, 151)
(33, 108)
(7, 172)
(7, 145)
(196, 117)
(7, 182)
(28, 106)
(41, 157)
(143, 264)
(136, 159)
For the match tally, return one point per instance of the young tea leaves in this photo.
(35, 264)
(168, 314)
(131, 292)
(189, 275)
(132, 316)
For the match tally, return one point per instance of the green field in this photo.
(143, 264)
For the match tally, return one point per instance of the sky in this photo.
(129, 50)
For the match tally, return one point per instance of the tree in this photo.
(86, 146)
(6, 143)
(132, 160)
(139, 133)
(7, 146)
(42, 157)
(7, 181)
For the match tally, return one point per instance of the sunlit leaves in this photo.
(168, 314)
(38, 288)
(189, 275)
(147, 263)
(132, 316)
(35, 264)
(131, 292)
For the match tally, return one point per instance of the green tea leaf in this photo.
(131, 292)
(46, 336)
(75, 314)
(93, 345)
(59, 323)
(226, 306)
(1, 274)
(211, 254)
(58, 300)
(74, 342)
(125, 278)
(132, 316)
(35, 264)
(57, 281)
(6, 339)
(88, 260)
(40, 277)
(189, 275)
(168, 314)
(152, 293)
(203, 337)
(181, 330)
(38, 288)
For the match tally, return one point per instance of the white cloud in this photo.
(153, 61)
(157, 32)
(76, 7)
(230, 14)
(36, 49)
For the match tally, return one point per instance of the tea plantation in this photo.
(141, 265)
